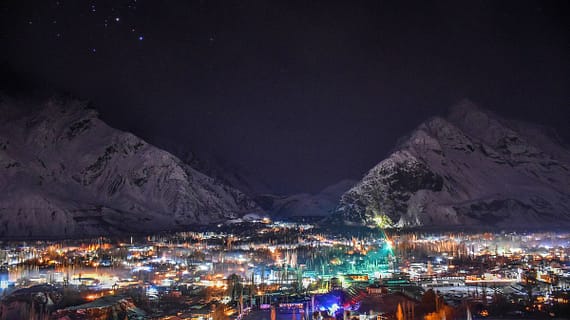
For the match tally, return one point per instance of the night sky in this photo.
(300, 93)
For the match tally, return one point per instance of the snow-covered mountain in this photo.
(305, 204)
(472, 168)
(220, 169)
(65, 173)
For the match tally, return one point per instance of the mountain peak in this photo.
(466, 104)
(468, 111)
(472, 168)
(66, 173)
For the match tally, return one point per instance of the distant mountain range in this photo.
(471, 169)
(321, 204)
(65, 173)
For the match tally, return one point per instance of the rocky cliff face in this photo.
(65, 173)
(472, 168)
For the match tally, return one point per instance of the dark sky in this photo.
(301, 93)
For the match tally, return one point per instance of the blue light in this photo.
(333, 308)
(143, 268)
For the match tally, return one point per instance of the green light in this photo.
(382, 221)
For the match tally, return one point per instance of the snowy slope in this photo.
(471, 169)
(305, 204)
(65, 173)
(220, 169)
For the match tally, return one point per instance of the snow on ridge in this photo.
(321, 204)
(471, 168)
(92, 178)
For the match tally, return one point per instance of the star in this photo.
(141, 38)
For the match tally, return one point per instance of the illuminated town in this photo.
(281, 270)
(284, 160)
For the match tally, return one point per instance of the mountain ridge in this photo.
(470, 168)
(320, 204)
(65, 173)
